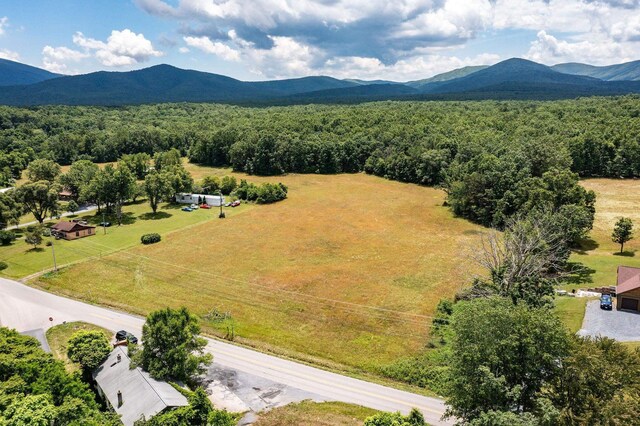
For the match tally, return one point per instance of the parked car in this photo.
(187, 209)
(205, 206)
(105, 224)
(605, 302)
(125, 335)
(235, 203)
(194, 207)
(83, 222)
(227, 204)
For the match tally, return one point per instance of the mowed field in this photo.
(347, 271)
(601, 256)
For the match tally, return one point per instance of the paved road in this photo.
(81, 210)
(25, 308)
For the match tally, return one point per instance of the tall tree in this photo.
(622, 232)
(501, 357)
(39, 198)
(172, 348)
(79, 176)
(167, 159)
(158, 187)
(10, 210)
(43, 170)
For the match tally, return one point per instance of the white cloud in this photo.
(215, 48)
(56, 59)
(9, 54)
(184, 50)
(4, 23)
(549, 50)
(627, 30)
(121, 48)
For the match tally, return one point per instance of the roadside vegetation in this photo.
(316, 414)
(58, 339)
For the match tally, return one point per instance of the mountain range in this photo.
(515, 78)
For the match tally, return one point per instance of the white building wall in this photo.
(212, 200)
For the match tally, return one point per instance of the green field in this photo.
(316, 414)
(346, 272)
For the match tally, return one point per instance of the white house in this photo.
(212, 200)
(132, 393)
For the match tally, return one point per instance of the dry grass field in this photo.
(615, 199)
(348, 269)
(316, 414)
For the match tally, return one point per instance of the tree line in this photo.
(494, 159)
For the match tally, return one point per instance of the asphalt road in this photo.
(25, 308)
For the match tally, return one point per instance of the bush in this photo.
(150, 238)
(3, 266)
(263, 194)
(6, 237)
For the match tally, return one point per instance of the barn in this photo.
(72, 230)
(212, 200)
(628, 289)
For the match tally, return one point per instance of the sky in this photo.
(398, 40)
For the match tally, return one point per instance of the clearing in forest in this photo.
(347, 270)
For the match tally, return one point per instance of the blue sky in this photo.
(264, 39)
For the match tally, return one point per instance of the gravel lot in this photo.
(619, 325)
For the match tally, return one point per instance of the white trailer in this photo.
(212, 200)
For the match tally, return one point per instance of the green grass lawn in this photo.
(59, 335)
(23, 260)
(316, 414)
(571, 311)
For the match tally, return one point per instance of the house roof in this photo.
(69, 226)
(628, 279)
(141, 394)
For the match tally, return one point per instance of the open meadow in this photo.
(346, 271)
(600, 255)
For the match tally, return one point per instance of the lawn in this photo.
(316, 414)
(600, 256)
(571, 311)
(24, 260)
(347, 271)
(59, 335)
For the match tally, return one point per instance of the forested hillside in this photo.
(493, 158)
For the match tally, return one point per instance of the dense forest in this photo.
(494, 159)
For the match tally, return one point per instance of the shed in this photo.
(133, 393)
(72, 230)
(628, 289)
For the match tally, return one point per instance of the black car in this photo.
(125, 335)
(605, 302)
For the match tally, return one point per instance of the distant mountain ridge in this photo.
(629, 71)
(15, 73)
(511, 79)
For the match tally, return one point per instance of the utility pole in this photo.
(53, 251)
(221, 215)
(104, 224)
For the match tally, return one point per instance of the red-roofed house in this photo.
(72, 230)
(628, 289)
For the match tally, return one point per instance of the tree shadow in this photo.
(128, 218)
(173, 206)
(35, 250)
(585, 245)
(155, 216)
(627, 253)
(578, 274)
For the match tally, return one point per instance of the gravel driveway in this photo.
(619, 325)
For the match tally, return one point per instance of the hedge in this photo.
(150, 238)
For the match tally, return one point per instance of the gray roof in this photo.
(141, 394)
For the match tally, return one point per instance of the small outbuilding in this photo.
(133, 393)
(628, 289)
(72, 230)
